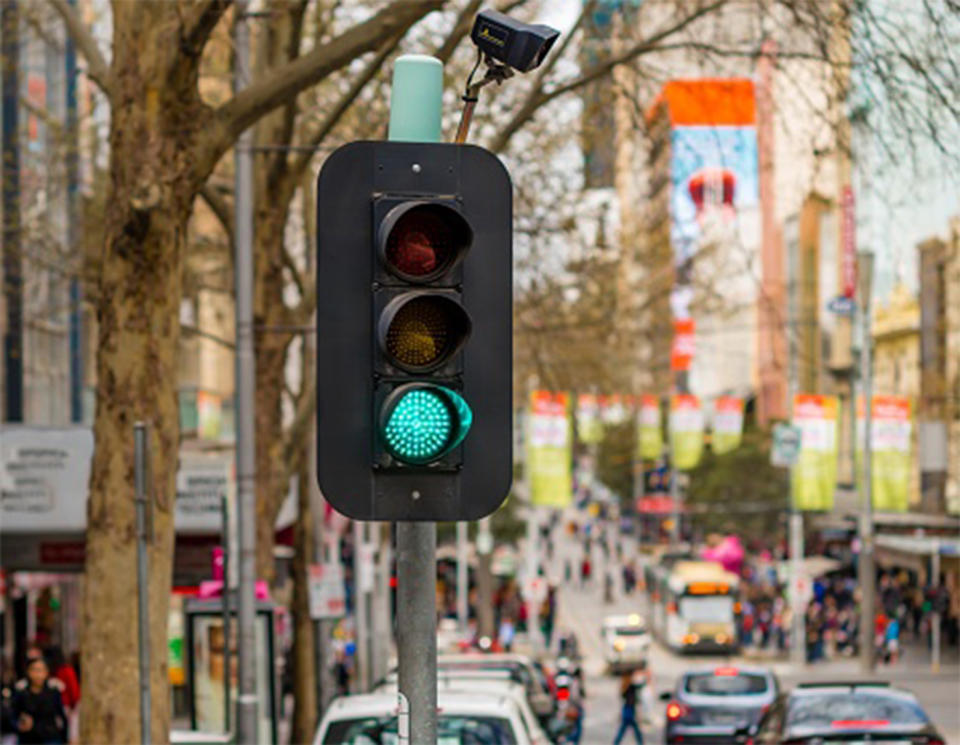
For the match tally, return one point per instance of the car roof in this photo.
(480, 657)
(839, 688)
(471, 673)
(744, 669)
(381, 704)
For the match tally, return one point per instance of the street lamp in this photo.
(865, 566)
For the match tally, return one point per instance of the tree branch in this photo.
(343, 104)
(647, 45)
(284, 82)
(295, 436)
(220, 208)
(97, 69)
(198, 26)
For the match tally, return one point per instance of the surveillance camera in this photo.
(521, 46)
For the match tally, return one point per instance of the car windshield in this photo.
(726, 684)
(630, 631)
(451, 730)
(853, 711)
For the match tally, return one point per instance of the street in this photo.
(582, 610)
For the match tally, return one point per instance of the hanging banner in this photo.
(649, 433)
(549, 449)
(727, 424)
(589, 425)
(613, 409)
(681, 353)
(686, 431)
(890, 460)
(815, 474)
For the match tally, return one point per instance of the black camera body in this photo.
(521, 46)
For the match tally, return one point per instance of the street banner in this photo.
(891, 427)
(589, 425)
(815, 474)
(727, 424)
(686, 431)
(325, 591)
(681, 353)
(614, 409)
(649, 433)
(549, 450)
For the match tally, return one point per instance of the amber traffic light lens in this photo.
(424, 241)
(424, 331)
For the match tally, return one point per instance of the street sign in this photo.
(786, 445)
(842, 305)
(325, 591)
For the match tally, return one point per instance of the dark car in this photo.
(843, 714)
(712, 705)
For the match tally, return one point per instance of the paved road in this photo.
(582, 610)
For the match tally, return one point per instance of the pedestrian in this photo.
(37, 707)
(585, 571)
(63, 671)
(892, 637)
(628, 710)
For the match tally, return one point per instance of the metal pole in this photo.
(866, 571)
(143, 574)
(417, 629)
(416, 107)
(675, 534)
(360, 607)
(225, 540)
(798, 621)
(935, 615)
(485, 618)
(246, 720)
(463, 577)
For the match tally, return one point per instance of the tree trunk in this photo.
(154, 119)
(304, 649)
(272, 340)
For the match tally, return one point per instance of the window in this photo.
(451, 730)
(742, 684)
(822, 710)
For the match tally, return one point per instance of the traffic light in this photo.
(414, 331)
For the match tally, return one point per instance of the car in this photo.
(711, 705)
(483, 681)
(851, 712)
(522, 668)
(463, 719)
(626, 642)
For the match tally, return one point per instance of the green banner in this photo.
(686, 431)
(890, 457)
(549, 449)
(649, 431)
(589, 424)
(727, 424)
(815, 474)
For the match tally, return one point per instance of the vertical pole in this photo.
(935, 615)
(143, 573)
(867, 575)
(798, 625)
(416, 105)
(360, 606)
(225, 540)
(533, 529)
(463, 576)
(72, 172)
(485, 618)
(675, 534)
(246, 720)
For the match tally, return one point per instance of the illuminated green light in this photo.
(425, 423)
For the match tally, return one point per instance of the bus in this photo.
(693, 606)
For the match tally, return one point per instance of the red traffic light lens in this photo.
(420, 332)
(421, 241)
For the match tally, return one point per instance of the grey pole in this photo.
(225, 532)
(675, 534)
(935, 616)
(417, 629)
(360, 607)
(246, 721)
(867, 578)
(463, 577)
(143, 574)
(798, 630)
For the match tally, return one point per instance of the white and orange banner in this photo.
(727, 424)
(891, 426)
(815, 474)
(549, 449)
(684, 345)
(649, 430)
(686, 431)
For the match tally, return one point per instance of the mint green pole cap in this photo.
(416, 99)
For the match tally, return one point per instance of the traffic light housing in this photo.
(414, 331)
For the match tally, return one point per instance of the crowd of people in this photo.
(41, 706)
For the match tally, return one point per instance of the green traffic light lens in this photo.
(424, 423)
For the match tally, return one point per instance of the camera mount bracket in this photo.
(496, 73)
